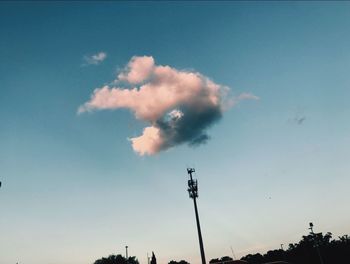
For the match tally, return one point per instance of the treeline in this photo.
(311, 249)
(117, 259)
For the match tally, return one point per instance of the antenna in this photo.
(193, 193)
(233, 254)
(311, 227)
(316, 242)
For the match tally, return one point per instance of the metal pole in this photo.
(316, 243)
(193, 191)
(126, 253)
(199, 232)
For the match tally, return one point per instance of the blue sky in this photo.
(73, 188)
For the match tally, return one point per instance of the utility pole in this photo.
(193, 193)
(126, 253)
(315, 241)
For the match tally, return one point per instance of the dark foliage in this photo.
(223, 259)
(117, 259)
(153, 259)
(178, 262)
(254, 259)
(309, 250)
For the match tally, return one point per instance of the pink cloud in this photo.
(149, 143)
(167, 89)
(179, 105)
(137, 70)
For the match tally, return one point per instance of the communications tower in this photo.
(193, 193)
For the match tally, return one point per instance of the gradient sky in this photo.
(74, 190)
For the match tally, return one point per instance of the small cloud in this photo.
(298, 119)
(95, 59)
(241, 97)
(175, 114)
(247, 96)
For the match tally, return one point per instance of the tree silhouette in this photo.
(153, 260)
(223, 259)
(117, 259)
(254, 259)
(308, 250)
(178, 262)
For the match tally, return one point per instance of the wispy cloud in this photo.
(299, 120)
(237, 99)
(94, 59)
(247, 96)
(179, 105)
(298, 117)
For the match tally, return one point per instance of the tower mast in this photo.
(193, 193)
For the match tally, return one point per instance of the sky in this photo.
(75, 187)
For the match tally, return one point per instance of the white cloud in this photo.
(247, 96)
(95, 59)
